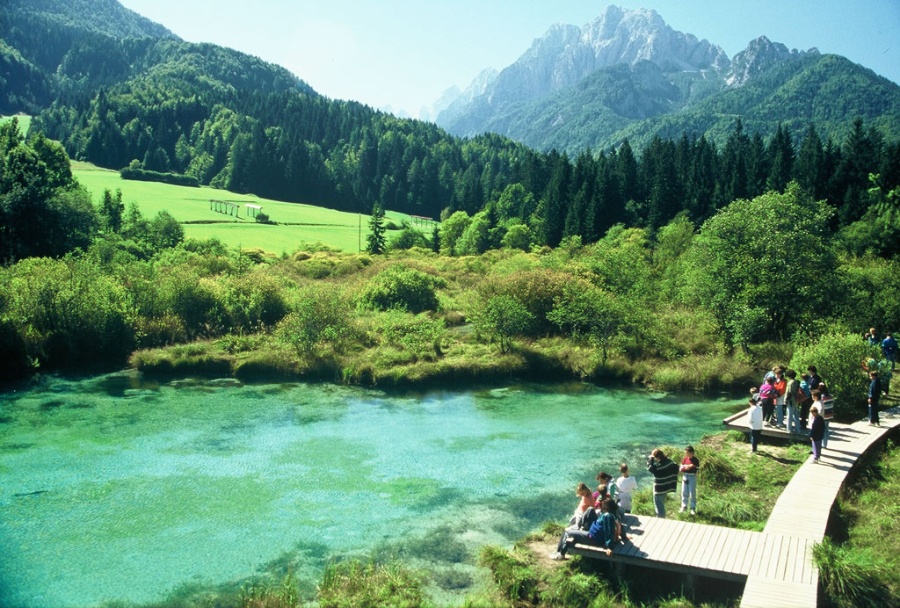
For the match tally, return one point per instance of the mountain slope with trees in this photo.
(665, 89)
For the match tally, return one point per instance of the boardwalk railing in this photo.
(776, 564)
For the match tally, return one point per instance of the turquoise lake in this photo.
(116, 489)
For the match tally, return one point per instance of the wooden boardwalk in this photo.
(775, 564)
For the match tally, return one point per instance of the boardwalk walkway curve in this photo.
(775, 564)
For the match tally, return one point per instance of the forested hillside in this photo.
(128, 93)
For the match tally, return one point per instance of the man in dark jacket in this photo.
(874, 397)
(665, 479)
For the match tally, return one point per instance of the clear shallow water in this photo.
(112, 489)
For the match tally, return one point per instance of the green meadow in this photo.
(295, 225)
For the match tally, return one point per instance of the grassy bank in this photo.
(859, 560)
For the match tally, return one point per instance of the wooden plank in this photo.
(739, 547)
(706, 560)
(687, 552)
(663, 550)
(705, 545)
(744, 562)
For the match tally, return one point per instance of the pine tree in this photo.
(375, 242)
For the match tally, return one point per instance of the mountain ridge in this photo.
(536, 99)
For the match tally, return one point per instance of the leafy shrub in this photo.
(68, 311)
(408, 238)
(253, 302)
(321, 316)
(503, 316)
(193, 300)
(838, 357)
(403, 288)
(536, 290)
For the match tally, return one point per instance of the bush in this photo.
(253, 302)
(143, 175)
(403, 288)
(536, 290)
(321, 316)
(66, 311)
(839, 358)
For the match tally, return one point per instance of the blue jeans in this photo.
(779, 414)
(754, 438)
(794, 420)
(689, 490)
(827, 433)
(659, 502)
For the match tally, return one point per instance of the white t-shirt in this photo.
(626, 486)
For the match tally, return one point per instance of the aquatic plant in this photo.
(354, 584)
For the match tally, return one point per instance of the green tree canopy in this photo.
(764, 267)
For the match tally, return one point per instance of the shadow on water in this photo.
(121, 385)
(51, 405)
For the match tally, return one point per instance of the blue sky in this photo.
(403, 54)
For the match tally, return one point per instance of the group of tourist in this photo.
(807, 403)
(598, 519)
(806, 406)
(599, 516)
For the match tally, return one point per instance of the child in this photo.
(626, 484)
(606, 479)
(586, 501)
(690, 464)
(816, 429)
(780, 393)
(756, 423)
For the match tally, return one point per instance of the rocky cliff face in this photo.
(567, 54)
(759, 55)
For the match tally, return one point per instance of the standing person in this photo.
(826, 411)
(756, 423)
(792, 394)
(889, 349)
(606, 480)
(816, 431)
(806, 389)
(626, 484)
(665, 479)
(690, 465)
(814, 379)
(874, 397)
(780, 390)
(767, 394)
(871, 337)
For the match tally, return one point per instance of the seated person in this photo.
(585, 502)
(602, 534)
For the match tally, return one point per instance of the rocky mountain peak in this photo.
(566, 54)
(759, 55)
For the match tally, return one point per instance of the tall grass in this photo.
(852, 578)
(354, 584)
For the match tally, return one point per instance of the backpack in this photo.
(801, 396)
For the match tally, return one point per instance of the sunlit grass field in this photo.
(296, 224)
